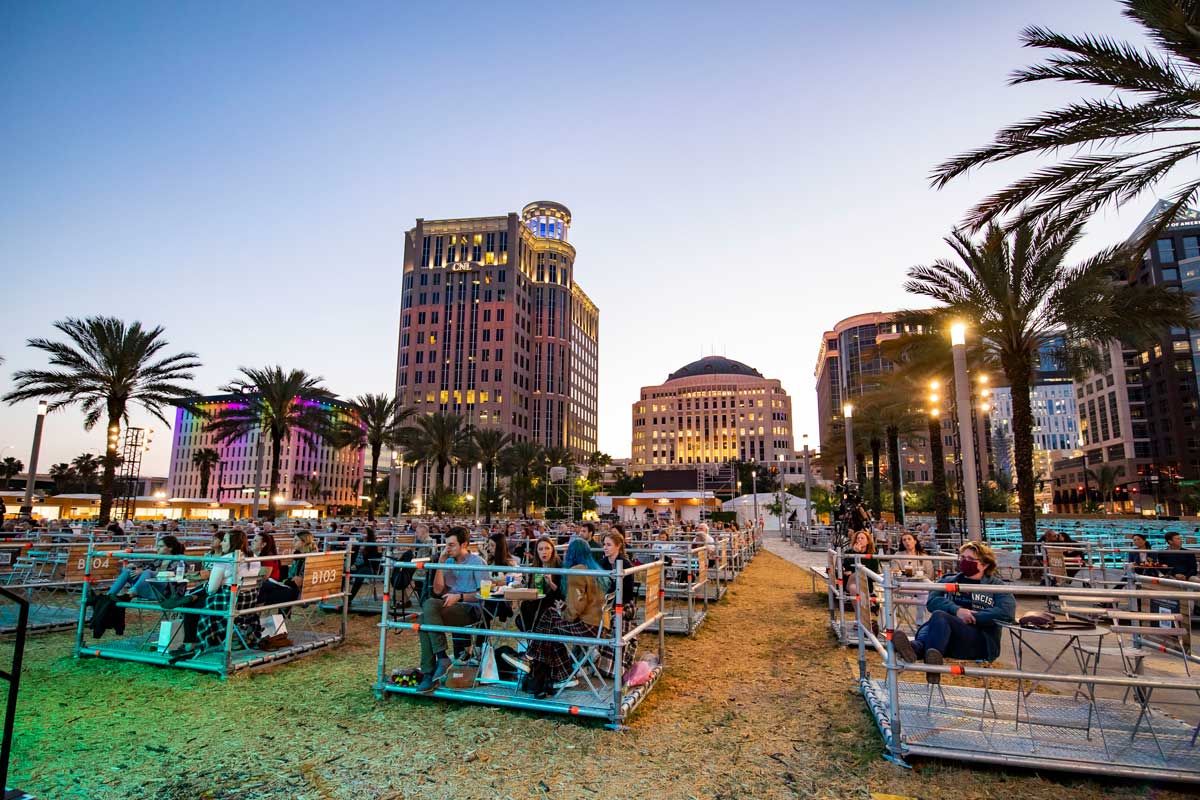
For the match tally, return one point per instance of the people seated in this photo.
(264, 545)
(962, 624)
(616, 555)
(274, 591)
(454, 601)
(142, 572)
(910, 545)
(545, 556)
(365, 560)
(547, 663)
(201, 631)
(1180, 562)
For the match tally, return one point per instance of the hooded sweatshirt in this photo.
(988, 608)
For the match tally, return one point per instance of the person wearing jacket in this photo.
(962, 624)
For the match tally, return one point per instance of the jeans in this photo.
(952, 637)
(141, 585)
(433, 612)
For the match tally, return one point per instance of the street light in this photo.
(27, 506)
(966, 433)
(807, 487)
(848, 413)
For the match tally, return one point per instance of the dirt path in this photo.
(760, 704)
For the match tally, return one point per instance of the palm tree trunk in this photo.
(276, 459)
(937, 455)
(894, 467)
(110, 472)
(876, 497)
(204, 476)
(375, 450)
(1018, 374)
(491, 481)
(861, 467)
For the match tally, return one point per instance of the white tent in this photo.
(744, 506)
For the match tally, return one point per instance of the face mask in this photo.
(968, 566)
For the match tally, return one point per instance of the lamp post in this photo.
(966, 435)
(754, 488)
(394, 481)
(27, 505)
(478, 489)
(807, 487)
(848, 414)
(258, 471)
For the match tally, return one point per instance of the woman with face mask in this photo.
(962, 623)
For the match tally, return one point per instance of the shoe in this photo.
(567, 684)
(443, 666)
(180, 653)
(903, 647)
(934, 659)
(426, 685)
(516, 662)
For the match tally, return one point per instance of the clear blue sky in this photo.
(742, 175)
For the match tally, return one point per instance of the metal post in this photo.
(962, 394)
(848, 415)
(618, 649)
(27, 505)
(754, 488)
(808, 519)
(893, 672)
(258, 470)
(383, 624)
(478, 489)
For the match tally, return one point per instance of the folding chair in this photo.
(584, 657)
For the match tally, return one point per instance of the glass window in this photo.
(1170, 274)
(1166, 251)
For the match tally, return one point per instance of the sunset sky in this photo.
(741, 175)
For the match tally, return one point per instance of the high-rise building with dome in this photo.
(710, 412)
(495, 328)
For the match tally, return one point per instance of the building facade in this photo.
(495, 328)
(711, 412)
(320, 474)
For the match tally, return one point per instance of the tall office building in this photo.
(494, 327)
(319, 474)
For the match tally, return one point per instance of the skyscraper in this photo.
(494, 327)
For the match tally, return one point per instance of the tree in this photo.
(597, 461)
(375, 422)
(64, 477)
(486, 447)
(439, 439)
(1106, 482)
(106, 366)
(86, 467)
(1111, 138)
(523, 463)
(10, 468)
(626, 484)
(1016, 293)
(277, 402)
(206, 458)
(314, 487)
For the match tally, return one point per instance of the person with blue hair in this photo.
(547, 665)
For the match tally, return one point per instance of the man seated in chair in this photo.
(454, 601)
(961, 625)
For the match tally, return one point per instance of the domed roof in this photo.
(714, 365)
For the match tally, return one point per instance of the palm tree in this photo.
(869, 424)
(901, 421)
(486, 447)
(439, 439)
(375, 422)
(1144, 94)
(314, 487)
(1106, 483)
(86, 466)
(281, 402)
(10, 467)
(206, 458)
(106, 366)
(1017, 293)
(64, 477)
(522, 462)
(597, 461)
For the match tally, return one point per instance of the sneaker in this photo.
(934, 659)
(516, 662)
(565, 684)
(903, 647)
(426, 685)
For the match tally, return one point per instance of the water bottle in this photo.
(179, 567)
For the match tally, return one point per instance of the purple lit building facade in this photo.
(494, 327)
(339, 473)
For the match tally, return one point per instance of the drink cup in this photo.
(485, 589)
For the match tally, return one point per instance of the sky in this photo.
(742, 175)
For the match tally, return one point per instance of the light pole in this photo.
(258, 471)
(966, 435)
(754, 488)
(478, 489)
(27, 505)
(395, 485)
(848, 414)
(807, 486)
